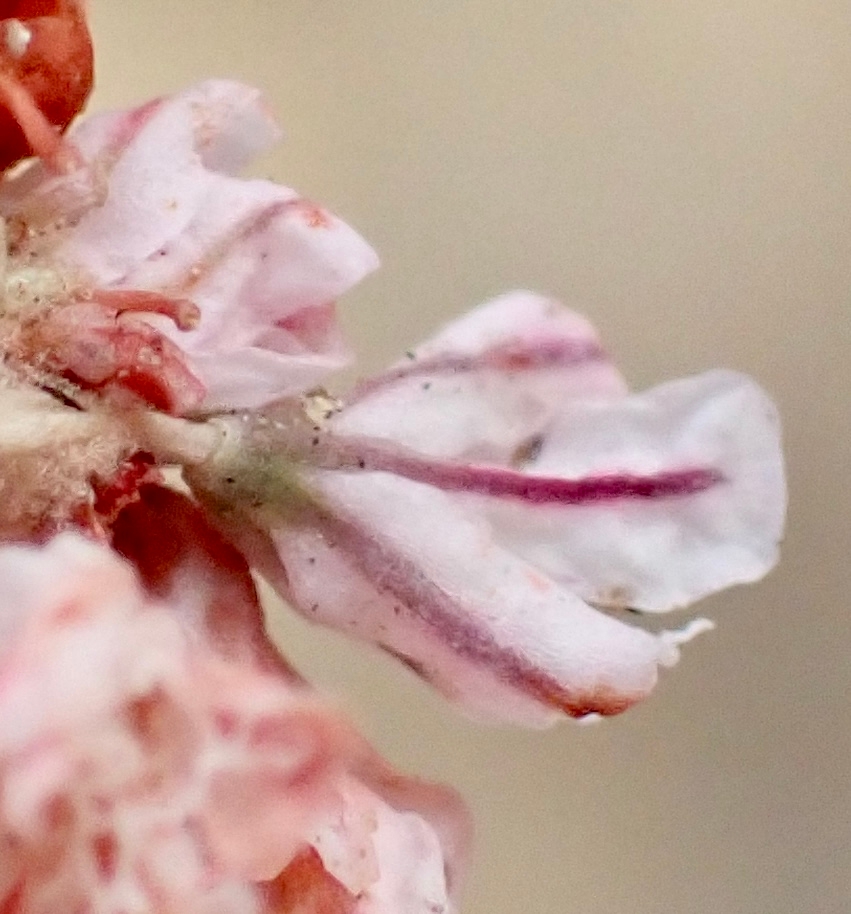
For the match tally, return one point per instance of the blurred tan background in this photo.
(680, 172)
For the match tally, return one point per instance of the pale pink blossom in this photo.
(488, 509)
(344, 863)
(143, 769)
(138, 769)
(244, 272)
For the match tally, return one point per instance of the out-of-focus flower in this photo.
(139, 770)
(347, 862)
(487, 509)
(152, 759)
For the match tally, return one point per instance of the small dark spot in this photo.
(315, 441)
(60, 396)
(361, 462)
(412, 664)
(410, 354)
(527, 451)
(314, 607)
(311, 560)
(426, 385)
(230, 480)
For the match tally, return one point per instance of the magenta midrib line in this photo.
(499, 482)
(508, 358)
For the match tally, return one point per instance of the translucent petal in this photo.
(486, 386)
(659, 552)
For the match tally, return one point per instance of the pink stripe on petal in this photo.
(403, 579)
(504, 483)
(487, 383)
(514, 356)
(400, 565)
(658, 554)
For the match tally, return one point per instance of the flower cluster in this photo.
(487, 511)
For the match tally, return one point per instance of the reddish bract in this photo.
(46, 75)
(99, 346)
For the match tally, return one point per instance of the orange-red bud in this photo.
(46, 75)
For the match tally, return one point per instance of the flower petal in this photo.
(439, 807)
(160, 211)
(173, 546)
(390, 844)
(648, 501)
(482, 577)
(406, 567)
(265, 267)
(390, 860)
(486, 385)
(137, 767)
(155, 186)
(658, 551)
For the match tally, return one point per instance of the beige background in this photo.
(680, 171)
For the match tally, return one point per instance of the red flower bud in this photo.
(46, 75)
